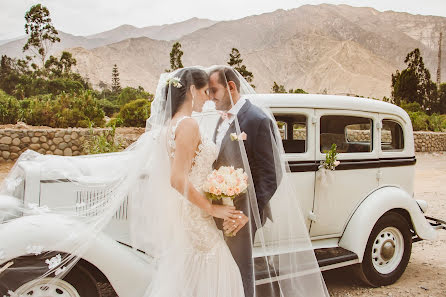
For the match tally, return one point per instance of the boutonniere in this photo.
(241, 136)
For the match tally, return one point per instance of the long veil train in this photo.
(282, 260)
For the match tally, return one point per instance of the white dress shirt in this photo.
(224, 126)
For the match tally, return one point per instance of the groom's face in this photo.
(219, 93)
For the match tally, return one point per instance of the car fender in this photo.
(376, 204)
(128, 273)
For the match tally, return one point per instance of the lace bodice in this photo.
(205, 156)
(200, 226)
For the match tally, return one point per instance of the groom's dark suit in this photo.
(258, 126)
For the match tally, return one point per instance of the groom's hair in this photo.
(226, 74)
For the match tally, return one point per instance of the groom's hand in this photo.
(234, 225)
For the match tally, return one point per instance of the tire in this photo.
(387, 252)
(79, 282)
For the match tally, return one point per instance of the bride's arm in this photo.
(186, 143)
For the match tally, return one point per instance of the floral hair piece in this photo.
(174, 81)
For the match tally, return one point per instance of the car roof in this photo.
(329, 102)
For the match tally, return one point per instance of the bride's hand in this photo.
(224, 212)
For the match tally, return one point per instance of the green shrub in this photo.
(65, 110)
(9, 109)
(102, 143)
(435, 122)
(37, 111)
(135, 113)
(129, 94)
(108, 107)
(419, 120)
(411, 106)
(115, 122)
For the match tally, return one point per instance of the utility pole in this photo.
(439, 61)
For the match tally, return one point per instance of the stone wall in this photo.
(429, 141)
(64, 142)
(68, 142)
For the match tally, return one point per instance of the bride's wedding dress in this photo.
(208, 268)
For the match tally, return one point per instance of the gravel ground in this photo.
(426, 272)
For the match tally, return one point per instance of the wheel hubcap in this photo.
(387, 250)
(47, 287)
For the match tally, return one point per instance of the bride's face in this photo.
(200, 97)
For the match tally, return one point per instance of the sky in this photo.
(85, 17)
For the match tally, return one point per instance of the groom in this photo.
(225, 92)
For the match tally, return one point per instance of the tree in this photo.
(235, 61)
(116, 85)
(278, 88)
(281, 89)
(175, 57)
(414, 83)
(41, 32)
(62, 67)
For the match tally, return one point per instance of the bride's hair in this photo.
(187, 77)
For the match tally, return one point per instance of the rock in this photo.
(74, 135)
(57, 140)
(53, 147)
(76, 153)
(13, 156)
(42, 151)
(35, 139)
(45, 146)
(14, 149)
(67, 152)
(34, 146)
(37, 134)
(6, 140)
(67, 138)
(63, 145)
(16, 141)
(60, 134)
(58, 152)
(42, 139)
(4, 147)
(5, 154)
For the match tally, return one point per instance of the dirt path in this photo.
(426, 273)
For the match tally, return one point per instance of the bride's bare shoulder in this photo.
(188, 130)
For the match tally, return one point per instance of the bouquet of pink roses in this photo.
(226, 183)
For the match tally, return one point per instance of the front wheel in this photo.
(387, 252)
(79, 282)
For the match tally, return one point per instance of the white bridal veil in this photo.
(82, 204)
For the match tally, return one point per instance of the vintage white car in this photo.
(369, 217)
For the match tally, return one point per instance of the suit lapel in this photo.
(231, 129)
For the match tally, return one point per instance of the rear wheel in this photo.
(387, 252)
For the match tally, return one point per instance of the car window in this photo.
(392, 137)
(351, 134)
(293, 131)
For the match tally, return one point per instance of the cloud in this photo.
(85, 17)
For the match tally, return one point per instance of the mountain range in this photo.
(335, 49)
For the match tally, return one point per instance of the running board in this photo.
(327, 258)
(331, 258)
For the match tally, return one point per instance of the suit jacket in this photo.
(259, 151)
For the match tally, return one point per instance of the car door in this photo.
(396, 152)
(338, 193)
(297, 132)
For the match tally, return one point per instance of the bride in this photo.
(171, 219)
